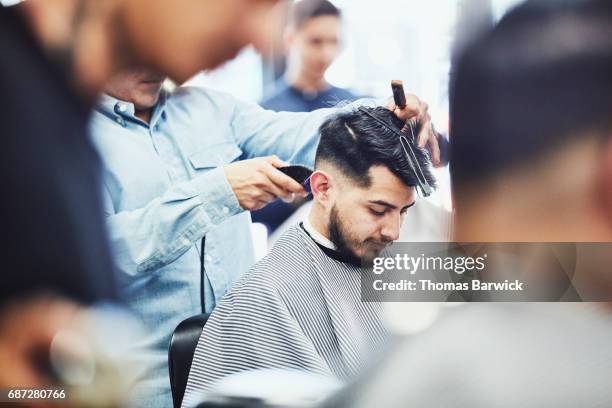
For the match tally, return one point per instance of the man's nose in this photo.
(329, 52)
(391, 228)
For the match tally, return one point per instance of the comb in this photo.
(422, 182)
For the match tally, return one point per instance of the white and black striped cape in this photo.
(296, 308)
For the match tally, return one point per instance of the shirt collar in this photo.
(114, 106)
(117, 108)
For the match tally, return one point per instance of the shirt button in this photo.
(208, 258)
(122, 107)
(225, 210)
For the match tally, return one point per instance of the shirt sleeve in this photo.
(155, 235)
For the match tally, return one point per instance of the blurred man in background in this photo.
(312, 43)
(536, 168)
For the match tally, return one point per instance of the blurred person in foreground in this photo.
(536, 168)
(57, 55)
(300, 307)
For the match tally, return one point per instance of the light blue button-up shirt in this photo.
(165, 189)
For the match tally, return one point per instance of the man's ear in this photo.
(321, 184)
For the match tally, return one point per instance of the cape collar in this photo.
(317, 236)
(327, 246)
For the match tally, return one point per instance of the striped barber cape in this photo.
(297, 308)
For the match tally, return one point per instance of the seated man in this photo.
(300, 307)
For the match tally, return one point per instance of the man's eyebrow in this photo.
(408, 206)
(383, 203)
(389, 205)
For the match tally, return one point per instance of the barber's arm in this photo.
(294, 136)
(155, 235)
(152, 236)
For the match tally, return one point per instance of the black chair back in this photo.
(180, 354)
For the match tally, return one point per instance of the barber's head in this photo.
(531, 126)
(140, 86)
(182, 37)
(363, 183)
(313, 37)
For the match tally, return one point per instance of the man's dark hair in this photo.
(353, 142)
(308, 9)
(538, 78)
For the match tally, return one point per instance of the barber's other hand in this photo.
(257, 182)
(415, 108)
(428, 137)
(418, 110)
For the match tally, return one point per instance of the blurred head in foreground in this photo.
(531, 126)
(185, 36)
(363, 183)
(96, 39)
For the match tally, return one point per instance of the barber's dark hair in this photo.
(531, 84)
(353, 142)
(308, 9)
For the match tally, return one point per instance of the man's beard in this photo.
(340, 235)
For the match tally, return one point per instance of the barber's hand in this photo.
(257, 182)
(418, 111)
(428, 137)
(415, 108)
(27, 328)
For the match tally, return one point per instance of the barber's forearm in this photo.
(292, 136)
(155, 235)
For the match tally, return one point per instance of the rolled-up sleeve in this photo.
(155, 235)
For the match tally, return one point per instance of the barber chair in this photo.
(180, 354)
